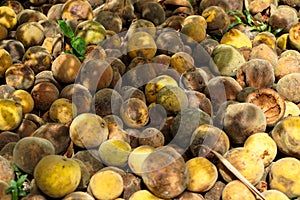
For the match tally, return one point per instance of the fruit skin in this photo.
(284, 176)
(11, 114)
(91, 31)
(134, 113)
(114, 152)
(62, 111)
(285, 134)
(172, 98)
(203, 174)
(57, 176)
(141, 44)
(274, 195)
(242, 120)
(143, 194)
(24, 98)
(236, 190)
(236, 38)
(106, 185)
(8, 13)
(5, 62)
(77, 195)
(165, 173)
(288, 87)
(155, 85)
(263, 145)
(137, 157)
(29, 151)
(249, 164)
(88, 130)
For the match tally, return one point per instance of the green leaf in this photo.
(79, 45)
(66, 29)
(8, 190)
(13, 183)
(22, 193)
(275, 32)
(21, 180)
(233, 24)
(248, 17)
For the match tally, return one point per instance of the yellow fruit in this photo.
(106, 185)
(114, 152)
(8, 17)
(284, 176)
(263, 145)
(195, 18)
(24, 98)
(143, 194)
(57, 176)
(5, 62)
(88, 130)
(137, 157)
(10, 114)
(266, 38)
(236, 190)
(62, 111)
(194, 31)
(141, 44)
(236, 38)
(182, 61)
(91, 31)
(282, 41)
(202, 174)
(155, 85)
(291, 109)
(274, 195)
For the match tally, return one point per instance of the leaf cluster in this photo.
(245, 18)
(16, 187)
(77, 43)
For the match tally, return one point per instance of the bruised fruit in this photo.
(106, 184)
(283, 176)
(8, 17)
(19, 76)
(77, 11)
(263, 145)
(236, 38)
(57, 134)
(24, 98)
(92, 32)
(165, 173)
(208, 136)
(11, 114)
(285, 134)
(141, 44)
(5, 62)
(114, 152)
(57, 176)
(248, 163)
(193, 31)
(172, 98)
(29, 151)
(181, 62)
(242, 120)
(24, 34)
(288, 87)
(88, 130)
(134, 113)
(155, 85)
(62, 111)
(202, 174)
(152, 137)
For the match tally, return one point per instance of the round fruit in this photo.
(10, 115)
(57, 176)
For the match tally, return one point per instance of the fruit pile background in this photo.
(150, 99)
